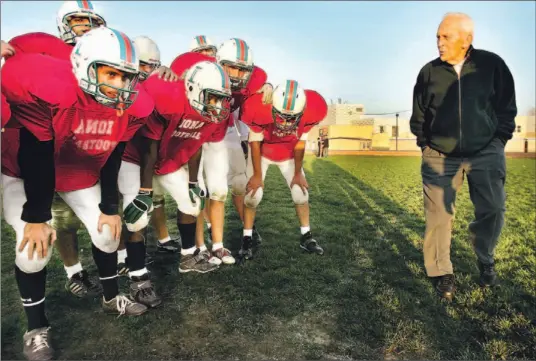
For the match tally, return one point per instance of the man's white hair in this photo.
(466, 23)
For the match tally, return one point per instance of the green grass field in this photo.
(367, 298)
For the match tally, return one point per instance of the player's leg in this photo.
(216, 165)
(85, 204)
(251, 202)
(30, 275)
(164, 243)
(67, 224)
(141, 288)
(301, 203)
(176, 184)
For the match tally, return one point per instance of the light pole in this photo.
(397, 131)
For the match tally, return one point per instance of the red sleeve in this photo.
(168, 97)
(41, 43)
(185, 61)
(316, 109)
(143, 105)
(219, 132)
(257, 80)
(6, 111)
(255, 114)
(154, 127)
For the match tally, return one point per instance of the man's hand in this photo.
(138, 212)
(267, 91)
(254, 183)
(6, 50)
(197, 195)
(114, 222)
(299, 179)
(38, 237)
(167, 74)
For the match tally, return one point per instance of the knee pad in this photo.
(189, 208)
(104, 241)
(31, 266)
(298, 197)
(253, 201)
(218, 194)
(238, 185)
(158, 200)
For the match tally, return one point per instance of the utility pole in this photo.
(397, 131)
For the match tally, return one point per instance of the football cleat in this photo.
(309, 244)
(36, 345)
(142, 291)
(81, 285)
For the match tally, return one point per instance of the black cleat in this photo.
(82, 285)
(148, 259)
(246, 252)
(257, 239)
(171, 246)
(488, 276)
(142, 291)
(309, 244)
(445, 286)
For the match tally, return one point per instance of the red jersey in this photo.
(51, 105)
(6, 111)
(40, 43)
(279, 146)
(258, 77)
(180, 129)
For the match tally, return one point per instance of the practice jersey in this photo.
(278, 145)
(47, 100)
(180, 129)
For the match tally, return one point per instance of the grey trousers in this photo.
(442, 177)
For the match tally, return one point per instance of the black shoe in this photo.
(171, 246)
(488, 276)
(445, 286)
(148, 259)
(142, 291)
(309, 244)
(246, 252)
(122, 269)
(257, 239)
(82, 285)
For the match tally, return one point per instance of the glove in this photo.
(197, 195)
(138, 212)
(267, 91)
(245, 147)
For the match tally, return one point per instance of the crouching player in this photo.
(72, 138)
(165, 156)
(277, 136)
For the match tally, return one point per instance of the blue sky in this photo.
(363, 52)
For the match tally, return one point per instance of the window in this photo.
(382, 129)
(519, 128)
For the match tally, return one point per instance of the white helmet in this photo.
(204, 81)
(201, 42)
(80, 8)
(288, 104)
(148, 53)
(106, 46)
(236, 53)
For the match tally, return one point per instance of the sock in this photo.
(32, 293)
(188, 251)
(203, 248)
(138, 273)
(209, 225)
(305, 229)
(165, 240)
(217, 246)
(136, 255)
(107, 266)
(248, 232)
(122, 256)
(187, 232)
(72, 270)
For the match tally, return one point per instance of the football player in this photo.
(278, 133)
(201, 44)
(166, 154)
(149, 56)
(72, 139)
(224, 161)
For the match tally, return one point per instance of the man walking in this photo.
(464, 108)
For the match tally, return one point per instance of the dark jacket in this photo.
(461, 117)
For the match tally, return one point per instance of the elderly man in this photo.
(463, 114)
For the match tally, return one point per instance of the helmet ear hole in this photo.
(190, 88)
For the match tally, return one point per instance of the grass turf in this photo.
(367, 298)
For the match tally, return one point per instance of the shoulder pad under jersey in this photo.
(316, 108)
(168, 97)
(185, 61)
(41, 43)
(254, 112)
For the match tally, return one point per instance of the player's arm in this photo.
(256, 137)
(299, 153)
(109, 204)
(149, 157)
(197, 195)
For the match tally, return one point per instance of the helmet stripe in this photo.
(85, 4)
(125, 46)
(225, 79)
(241, 50)
(290, 95)
(201, 40)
